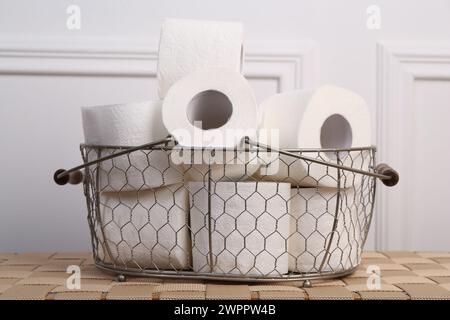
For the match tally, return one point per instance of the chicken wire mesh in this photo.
(252, 215)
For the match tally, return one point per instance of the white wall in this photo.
(48, 71)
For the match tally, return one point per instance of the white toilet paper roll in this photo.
(313, 212)
(212, 107)
(187, 45)
(147, 228)
(328, 117)
(248, 229)
(129, 124)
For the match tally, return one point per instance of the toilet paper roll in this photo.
(187, 45)
(147, 228)
(313, 212)
(328, 117)
(248, 227)
(212, 107)
(129, 124)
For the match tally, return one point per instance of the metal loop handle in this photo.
(386, 170)
(75, 175)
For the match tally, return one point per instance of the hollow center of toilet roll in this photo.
(209, 109)
(336, 133)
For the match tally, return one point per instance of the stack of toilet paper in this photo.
(229, 212)
(325, 227)
(143, 203)
(205, 101)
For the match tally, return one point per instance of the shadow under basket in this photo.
(249, 214)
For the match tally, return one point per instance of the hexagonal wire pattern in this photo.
(148, 228)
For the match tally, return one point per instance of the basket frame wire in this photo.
(92, 192)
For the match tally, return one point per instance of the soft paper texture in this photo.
(328, 117)
(187, 45)
(314, 212)
(205, 94)
(227, 166)
(147, 228)
(129, 125)
(248, 225)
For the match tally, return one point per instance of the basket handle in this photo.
(76, 174)
(62, 177)
(384, 172)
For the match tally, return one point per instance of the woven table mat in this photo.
(404, 276)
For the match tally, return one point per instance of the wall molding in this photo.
(398, 67)
(291, 66)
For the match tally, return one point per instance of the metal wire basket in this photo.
(232, 220)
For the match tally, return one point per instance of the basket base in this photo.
(167, 274)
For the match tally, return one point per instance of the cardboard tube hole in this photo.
(336, 133)
(209, 109)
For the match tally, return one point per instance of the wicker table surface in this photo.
(404, 275)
